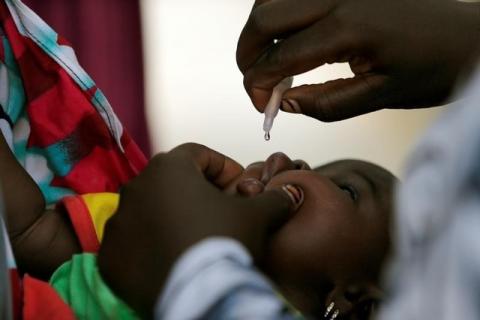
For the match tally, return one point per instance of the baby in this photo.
(327, 259)
(328, 256)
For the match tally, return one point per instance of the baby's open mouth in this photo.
(295, 193)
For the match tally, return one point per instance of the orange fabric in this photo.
(89, 213)
(82, 223)
(41, 302)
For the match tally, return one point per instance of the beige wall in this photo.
(195, 93)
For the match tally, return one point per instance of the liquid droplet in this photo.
(267, 136)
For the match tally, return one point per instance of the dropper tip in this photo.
(267, 136)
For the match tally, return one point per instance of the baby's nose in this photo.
(301, 165)
(276, 163)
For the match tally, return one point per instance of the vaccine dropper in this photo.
(271, 110)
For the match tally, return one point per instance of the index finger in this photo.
(216, 167)
(274, 19)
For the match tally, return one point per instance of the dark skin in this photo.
(42, 239)
(148, 217)
(404, 54)
(269, 224)
(187, 205)
(334, 247)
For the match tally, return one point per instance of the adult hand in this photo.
(256, 176)
(404, 54)
(174, 203)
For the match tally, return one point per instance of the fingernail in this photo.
(267, 172)
(295, 106)
(295, 193)
(266, 175)
(286, 107)
(250, 187)
(290, 106)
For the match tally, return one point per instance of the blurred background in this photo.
(169, 66)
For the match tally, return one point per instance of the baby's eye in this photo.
(352, 193)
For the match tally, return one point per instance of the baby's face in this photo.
(340, 234)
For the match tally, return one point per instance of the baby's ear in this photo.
(358, 301)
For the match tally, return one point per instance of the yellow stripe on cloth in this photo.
(101, 207)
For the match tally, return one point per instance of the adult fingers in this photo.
(339, 99)
(322, 42)
(271, 20)
(216, 167)
(259, 2)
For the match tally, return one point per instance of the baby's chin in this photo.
(297, 296)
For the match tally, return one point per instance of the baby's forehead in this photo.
(382, 181)
(347, 165)
(373, 172)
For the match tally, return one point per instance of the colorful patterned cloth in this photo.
(58, 123)
(61, 129)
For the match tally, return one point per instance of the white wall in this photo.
(195, 93)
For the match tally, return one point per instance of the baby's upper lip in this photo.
(276, 163)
